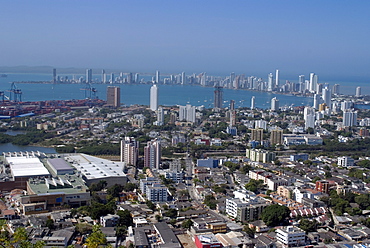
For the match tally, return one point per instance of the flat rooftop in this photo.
(26, 166)
(59, 164)
(94, 168)
(38, 186)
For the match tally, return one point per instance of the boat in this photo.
(3, 75)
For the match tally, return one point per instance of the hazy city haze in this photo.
(329, 38)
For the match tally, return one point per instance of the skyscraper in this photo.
(275, 104)
(309, 117)
(277, 79)
(129, 151)
(157, 77)
(336, 89)
(113, 96)
(218, 97)
(326, 96)
(313, 82)
(349, 118)
(316, 101)
(253, 103)
(112, 78)
(160, 116)
(358, 91)
(276, 136)
(257, 134)
(152, 154)
(54, 75)
(232, 104)
(270, 82)
(136, 77)
(103, 77)
(88, 76)
(183, 78)
(154, 98)
(187, 113)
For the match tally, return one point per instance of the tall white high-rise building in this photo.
(103, 77)
(349, 118)
(358, 91)
(253, 103)
(309, 117)
(275, 104)
(160, 116)
(183, 78)
(346, 105)
(326, 96)
(301, 83)
(154, 98)
(313, 82)
(136, 77)
(277, 79)
(336, 89)
(157, 77)
(203, 79)
(270, 82)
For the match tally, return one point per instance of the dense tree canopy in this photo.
(274, 215)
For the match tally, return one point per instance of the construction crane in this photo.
(16, 93)
(90, 92)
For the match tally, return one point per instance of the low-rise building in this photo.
(291, 236)
(346, 161)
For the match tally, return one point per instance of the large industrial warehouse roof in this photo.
(93, 167)
(59, 164)
(26, 166)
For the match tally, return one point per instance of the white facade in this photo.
(275, 104)
(349, 118)
(309, 117)
(154, 98)
(260, 124)
(156, 193)
(291, 236)
(345, 161)
(358, 91)
(187, 113)
(253, 103)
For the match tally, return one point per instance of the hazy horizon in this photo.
(217, 37)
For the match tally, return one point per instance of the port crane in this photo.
(90, 92)
(15, 92)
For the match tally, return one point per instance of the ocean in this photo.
(168, 95)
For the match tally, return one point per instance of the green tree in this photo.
(96, 238)
(254, 185)
(150, 205)
(50, 224)
(210, 201)
(172, 213)
(115, 190)
(307, 225)
(187, 224)
(249, 231)
(363, 201)
(125, 218)
(274, 215)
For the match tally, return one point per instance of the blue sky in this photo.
(330, 38)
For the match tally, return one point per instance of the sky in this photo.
(330, 38)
